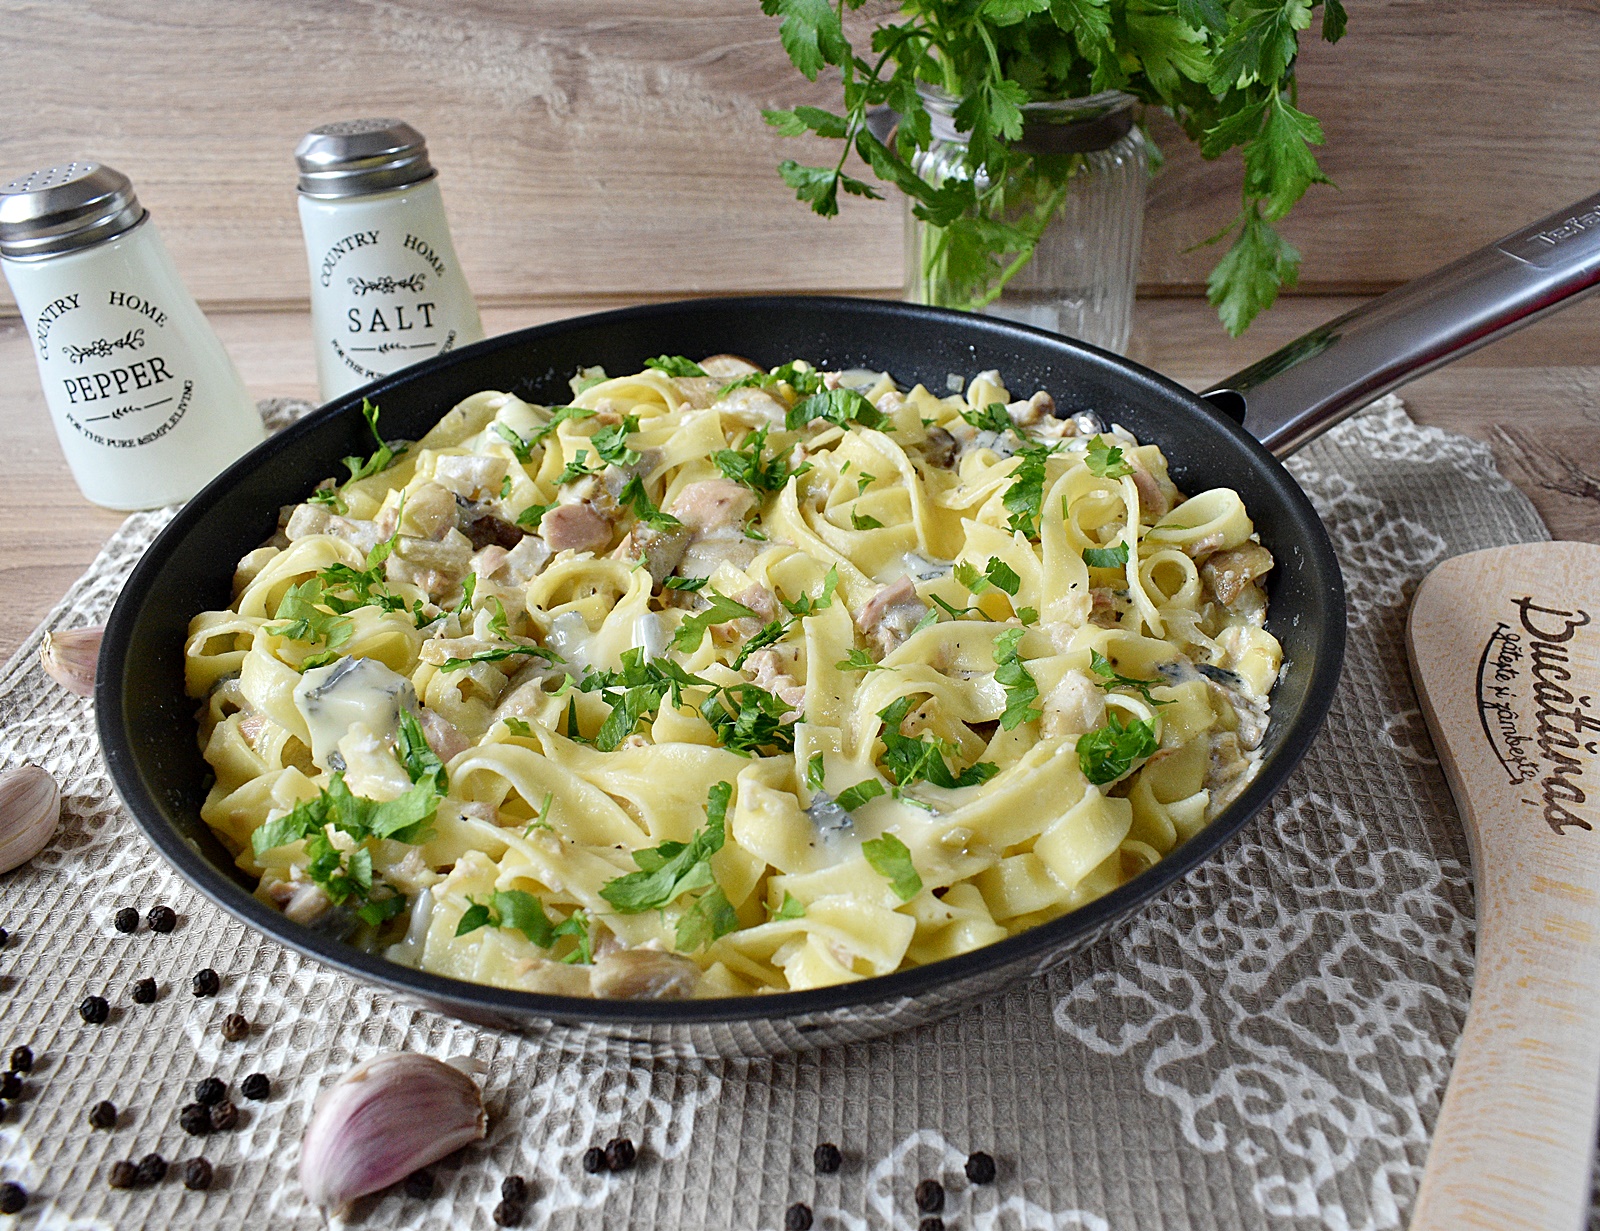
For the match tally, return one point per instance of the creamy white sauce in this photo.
(333, 698)
(569, 636)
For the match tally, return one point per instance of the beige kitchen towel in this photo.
(1264, 1046)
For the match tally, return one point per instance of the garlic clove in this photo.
(30, 810)
(383, 1120)
(70, 656)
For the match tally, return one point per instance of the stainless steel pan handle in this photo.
(1300, 391)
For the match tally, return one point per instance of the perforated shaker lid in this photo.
(65, 207)
(354, 157)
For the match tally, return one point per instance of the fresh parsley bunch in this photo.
(1224, 69)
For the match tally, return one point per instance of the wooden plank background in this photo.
(614, 148)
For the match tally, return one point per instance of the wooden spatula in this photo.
(1505, 650)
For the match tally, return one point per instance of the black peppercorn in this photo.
(980, 1167)
(12, 1198)
(419, 1184)
(10, 1085)
(514, 1188)
(826, 1158)
(930, 1196)
(620, 1154)
(126, 920)
(508, 1214)
(224, 1116)
(256, 1086)
(152, 1170)
(103, 1114)
(162, 918)
(209, 1090)
(22, 1059)
(797, 1217)
(594, 1160)
(205, 982)
(195, 1119)
(123, 1175)
(94, 1010)
(931, 1224)
(235, 1027)
(144, 991)
(197, 1174)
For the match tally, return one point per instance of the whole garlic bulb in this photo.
(70, 657)
(383, 1120)
(30, 810)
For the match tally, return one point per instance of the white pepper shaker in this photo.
(386, 288)
(146, 402)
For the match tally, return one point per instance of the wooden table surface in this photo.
(1535, 397)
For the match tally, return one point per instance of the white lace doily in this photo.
(1264, 1047)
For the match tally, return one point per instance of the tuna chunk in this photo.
(442, 736)
(713, 504)
(891, 614)
(576, 527)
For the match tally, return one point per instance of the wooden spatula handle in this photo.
(1505, 650)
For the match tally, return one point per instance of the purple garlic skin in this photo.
(383, 1120)
(70, 657)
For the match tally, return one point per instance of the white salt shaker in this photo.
(386, 288)
(146, 402)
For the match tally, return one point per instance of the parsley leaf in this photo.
(381, 459)
(992, 418)
(1115, 556)
(748, 719)
(611, 442)
(328, 494)
(576, 925)
(673, 868)
(1247, 279)
(770, 634)
(1105, 460)
(891, 860)
(1110, 678)
(305, 621)
(414, 752)
(746, 465)
(521, 449)
(864, 521)
(908, 761)
(720, 610)
(838, 406)
(376, 911)
(521, 912)
(534, 514)
(997, 575)
(576, 469)
(808, 605)
(675, 365)
(859, 660)
(500, 654)
(1010, 674)
(816, 772)
(633, 496)
(1107, 753)
(685, 583)
(1025, 497)
(402, 819)
(792, 908)
(803, 381)
(558, 416)
(710, 917)
(519, 727)
(853, 797)
(635, 692)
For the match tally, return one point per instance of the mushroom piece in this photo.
(728, 367)
(891, 614)
(643, 974)
(1227, 573)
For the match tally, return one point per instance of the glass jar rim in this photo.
(1052, 126)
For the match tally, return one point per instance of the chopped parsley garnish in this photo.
(927, 621)
(808, 605)
(748, 719)
(1028, 615)
(1107, 753)
(533, 515)
(996, 575)
(576, 925)
(521, 449)
(505, 488)
(573, 732)
(1025, 497)
(668, 871)
(611, 442)
(992, 418)
(558, 416)
(803, 381)
(859, 660)
(864, 480)
(771, 634)
(864, 521)
(1110, 678)
(376, 911)
(1115, 556)
(542, 820)
(576, 469)
(1105, 460)
(586, 379)
(891, 860)
(518, 726)
(1010, 674)
(747, 466)
(955, 613)
(838, 406)
(721, 609)
(402, 819)
(469, 587)
(303, 620)
(908, 761)
(675, 365)
(710, 917)
(381, 459)
(792, 908)
(328, 494)
(633, 496)
(500, 654)
(816, 772)
(635, 692)
(523, 912)
(418, 757)
(853, 797)
(685, 583)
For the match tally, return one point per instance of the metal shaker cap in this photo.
(355, 157)
(63, 208)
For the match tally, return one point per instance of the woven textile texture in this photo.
(1265, 1046)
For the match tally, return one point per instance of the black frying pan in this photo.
(147, 724)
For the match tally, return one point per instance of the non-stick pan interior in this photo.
(147, 723)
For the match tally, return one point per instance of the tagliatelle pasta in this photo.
(719, 681)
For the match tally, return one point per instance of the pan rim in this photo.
(477, 1001)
